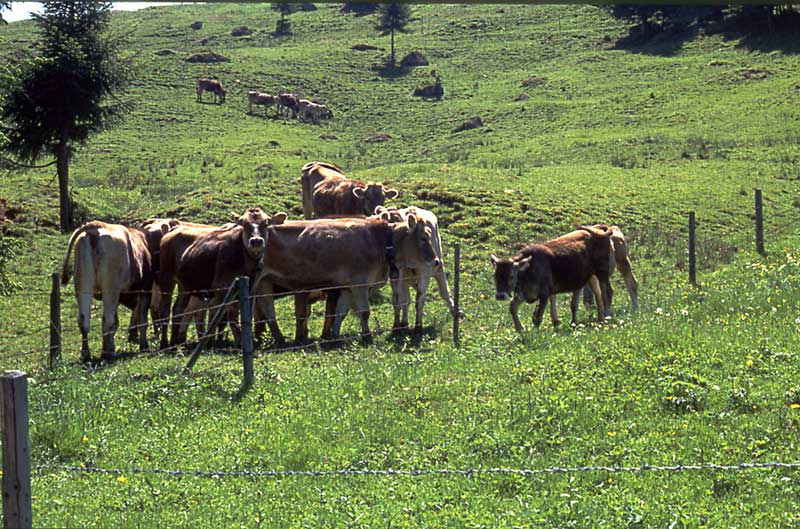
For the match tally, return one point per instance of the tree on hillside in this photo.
(393, 17)
(283, 27)
(4, 4)
(69, 93)
(359, 8)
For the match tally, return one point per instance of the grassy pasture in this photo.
(634, 136)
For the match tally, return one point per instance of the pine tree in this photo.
(393, 17)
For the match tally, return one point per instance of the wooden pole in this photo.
(246, 315)
(692, 256)
(457, 296)
(759, 223)
(55, 322)
(210, 331)
(17, 511)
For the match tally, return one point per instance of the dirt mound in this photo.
(521, 97)
(534, 80)
(196, 25)
(207, 56)
(364, 47)
(414, 58)
(471, 123)
(753, 74)
(241, 31)
(165, 53)
(377, 137)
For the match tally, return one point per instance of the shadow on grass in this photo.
(392, 71)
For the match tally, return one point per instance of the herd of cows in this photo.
(284, 103)
(349, 245)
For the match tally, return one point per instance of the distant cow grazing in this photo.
(417, 274)
(112, 262)
(336, 195)
(314, 112)
(213, 86)
(287, 103)
(215, 259)
(540, 271)
(256, 98)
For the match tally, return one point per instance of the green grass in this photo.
(635, 137)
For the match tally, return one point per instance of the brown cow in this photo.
(256, 98)
(287, 103)
(314, 112)
(411, 274)
(337, 195)
(113, 262)
(215, 259)
(154, 229)
(311, 174)
(213, 86)
(621, 261)
(355, 255)
(565, 264)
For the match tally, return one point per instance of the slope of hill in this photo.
(575, 130)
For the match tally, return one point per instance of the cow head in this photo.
(373, 195)
(506, 272)
(413, 241)
(254, 224)
(390, 214)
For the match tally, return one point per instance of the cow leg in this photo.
(266, 290)
(423, 280)
(401, 299)
(587, 295)
(178, 315)
(331, 301)
(133, 328)
(554, 311)
(141, 308)
(598, 296)
(514, 309)
(630, 282)
(341, 309)
(361, 303)
(539, 312)
(576, 300)
(84, 310)
(302, 312)
(110, 322)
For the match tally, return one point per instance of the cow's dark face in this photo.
(506, 273)
(415, 244)
(254, 231)
(373, 195)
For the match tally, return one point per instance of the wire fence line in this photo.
(443, 472)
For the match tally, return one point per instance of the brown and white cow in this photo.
(256, 98)
(540, 271)
(622, 261)
(314, 112)
(354, 255)
(215, 259)
(112, 262)
(336, 195)
(213, 86)
(287, 103)
(417, 275)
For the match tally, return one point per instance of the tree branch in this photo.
(4, 160)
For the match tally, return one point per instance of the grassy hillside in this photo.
(636, 136)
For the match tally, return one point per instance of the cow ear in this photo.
(359, 191)
(411, 219)
(278, 218)
(523, 264)
(392, 193)
(235, 216)
(494, 261)
(379, 211)
(384, 215)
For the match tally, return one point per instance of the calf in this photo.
(337, 195)
(256, 98)
(417, 274)
(214, 260)
(113, 262)
(213, 86)
(564, 264)
(354, 255)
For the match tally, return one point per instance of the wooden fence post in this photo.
(210, 331)
(759, 223)
(246, 318)
(17, 511)
(55, 322)
(457, 295)
(692, 256)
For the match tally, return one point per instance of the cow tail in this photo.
(66, 269)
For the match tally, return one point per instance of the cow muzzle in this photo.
(502, 296)
(256, 242)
